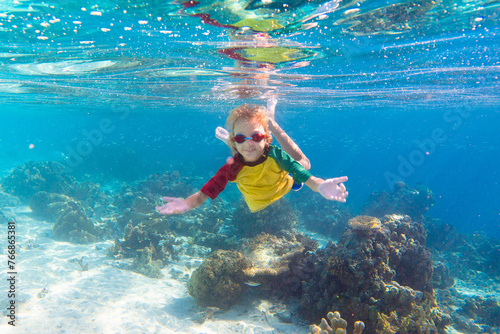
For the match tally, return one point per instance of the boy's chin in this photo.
(251, 157)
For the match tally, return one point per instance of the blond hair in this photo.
(251, 112)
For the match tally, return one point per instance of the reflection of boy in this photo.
(263, 172)
(260, 16)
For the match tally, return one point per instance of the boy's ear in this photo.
(269, 138)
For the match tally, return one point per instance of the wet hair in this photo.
(251, 112)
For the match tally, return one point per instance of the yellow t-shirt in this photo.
(261, 183)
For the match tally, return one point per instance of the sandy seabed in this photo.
(54, 295)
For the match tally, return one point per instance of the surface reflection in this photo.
(258, 54)
(258, 59)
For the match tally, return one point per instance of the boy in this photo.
(263, 172)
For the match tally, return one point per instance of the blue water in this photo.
(378, 91)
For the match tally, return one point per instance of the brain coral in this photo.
(220, 280)
(364, 223)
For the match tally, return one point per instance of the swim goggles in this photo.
(256, 137)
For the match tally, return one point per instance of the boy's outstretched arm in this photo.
(174, 205)
(286, 143)
(331, 189)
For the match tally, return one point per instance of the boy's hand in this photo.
(173, 206)
(222, 134)
(334, 189)
(271, 105)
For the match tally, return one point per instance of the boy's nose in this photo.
(249, 143)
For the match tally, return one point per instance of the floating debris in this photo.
(43, 293)
(83, 266)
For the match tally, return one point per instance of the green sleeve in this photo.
(287, 163)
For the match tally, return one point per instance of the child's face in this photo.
(249, 149)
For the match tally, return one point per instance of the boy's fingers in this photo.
(161, 210)
(340, 179)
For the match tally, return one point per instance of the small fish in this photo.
(252, 284)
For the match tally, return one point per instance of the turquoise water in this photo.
(116, 91)
(359, 84)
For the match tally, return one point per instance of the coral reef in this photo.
(281, 264)
(209, 226)
(28, 179)
(486, 310)
(337, 325)
(166, 184)
(475, 251)
(145, 265)
(143, 196)
(476, 314)
(403, 200)
(220, 280)
(137, 202)
(71, 222)
(49, 205)
(270, 256)
(372, 275)
(93, 199)
(125, 198)
(466, 276)
(422, 319)
(153, 238)
(365, 224)
(273, 219)
(265, 261)
(441, 277)
(151, 245)
(216, 240)
(73, 225)
(159, 233)
(441, 236)
(381, 270)
(55, 195)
